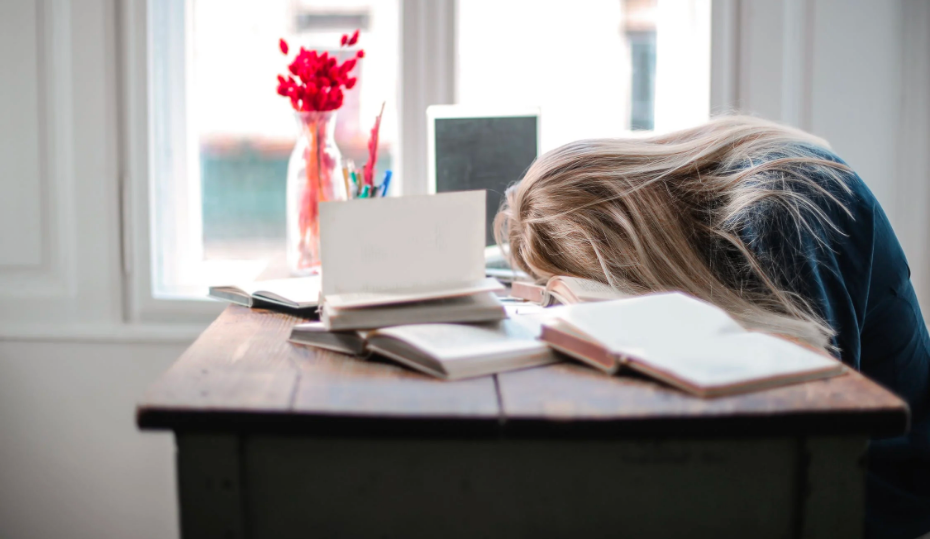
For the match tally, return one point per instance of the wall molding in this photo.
(76, 181)
(428, 78)
(912, 190)
(53, 276)
(724, 56)
(797, 62)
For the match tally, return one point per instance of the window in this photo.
(222, 136)
(602, 68)
(219, 137)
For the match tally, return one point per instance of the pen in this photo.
(356, 188)
(364, 192)
(385, 183)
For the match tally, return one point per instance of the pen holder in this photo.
(314, 175)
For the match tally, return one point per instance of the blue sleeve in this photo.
(813, 262)
(858, 279)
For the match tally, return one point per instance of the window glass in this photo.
(238, 132)
(601, 68)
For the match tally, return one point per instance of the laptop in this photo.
(482, 148)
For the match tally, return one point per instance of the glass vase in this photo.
(314, 175)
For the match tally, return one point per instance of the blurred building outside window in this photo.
(596, 68)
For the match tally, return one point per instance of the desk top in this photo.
(242, 374)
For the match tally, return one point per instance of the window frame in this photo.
(427, 77)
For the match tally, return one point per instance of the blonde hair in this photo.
(665, 213)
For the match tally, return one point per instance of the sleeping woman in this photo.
(765, 222)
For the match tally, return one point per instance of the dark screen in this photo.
(484, 153)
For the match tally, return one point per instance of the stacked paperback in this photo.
(406, 260)
(404, 278)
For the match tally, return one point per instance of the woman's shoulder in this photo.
(825, 180)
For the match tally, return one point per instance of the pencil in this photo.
(345, 177)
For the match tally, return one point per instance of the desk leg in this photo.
(209, 486)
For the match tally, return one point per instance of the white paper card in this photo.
(403, 243)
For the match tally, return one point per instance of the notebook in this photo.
(296, 294)
(564, 290)
(385, 259)
(683, 342)
(448, 351)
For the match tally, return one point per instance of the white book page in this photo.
(586, 289)
(449, 342)
(688, 339)
(737, 358)
(384, 245)
(673, 321)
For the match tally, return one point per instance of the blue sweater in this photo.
(860, 282)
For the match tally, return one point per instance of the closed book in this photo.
(483, 307)
(315, 334)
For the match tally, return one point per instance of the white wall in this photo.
(855, 72)
(72, 462)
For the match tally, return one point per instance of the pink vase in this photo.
(314, 175)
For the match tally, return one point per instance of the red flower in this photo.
(283, 45)
(320, 78)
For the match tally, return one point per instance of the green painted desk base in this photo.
(263, 486)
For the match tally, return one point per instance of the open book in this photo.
(564, 290)
(406, 260)
(449, 351)
(683, 342)
(296, 294)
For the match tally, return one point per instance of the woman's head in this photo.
(664, 213)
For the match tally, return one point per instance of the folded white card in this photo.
(398, 245)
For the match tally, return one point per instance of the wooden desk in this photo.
(278, 440)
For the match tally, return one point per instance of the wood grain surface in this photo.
(242, 373)
(568, 391)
